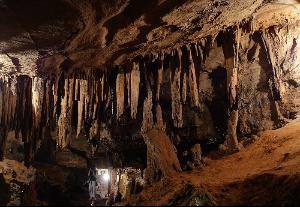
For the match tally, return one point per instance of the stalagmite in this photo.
(192, 80)
(135, 84)
(175, 91)
(120, 86)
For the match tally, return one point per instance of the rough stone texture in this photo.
(192, 196)
(14, 148)
(57, 75)
(162, 159)
(131, 182)
(16, 179)
(147, 123)
(175, 90)
(101, 33)
(160, 124)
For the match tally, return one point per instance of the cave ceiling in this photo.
(45, 36)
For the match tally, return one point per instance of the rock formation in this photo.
(144, 81)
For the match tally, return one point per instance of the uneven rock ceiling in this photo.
(43, 36)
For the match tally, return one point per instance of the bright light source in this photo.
(105, 177)
(98, 171)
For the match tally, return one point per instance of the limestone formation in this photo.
(145, 82)
(194, 95)
(120, 94)
(134, 84)
(147, 123)
(175, 93)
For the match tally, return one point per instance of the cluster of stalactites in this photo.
(183, 69)
(7, 101)
(31, 105)
(131, 82)
(80, 102)
(25, 107)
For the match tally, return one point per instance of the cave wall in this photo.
(182, 92)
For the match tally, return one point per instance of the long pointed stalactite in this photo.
(231, 48)
(135, 89)
(176, 69)
(120, 91)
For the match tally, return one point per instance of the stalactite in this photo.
(48, 101)
(71, 93)
(128, 82)
(135, 84)
(159, 77)
(159, 118)
(98, 91)
(25, 116)
(3, 126)
(107, 96)
(86, 101)
(102, 87)
(81, 104)
(11, 105)
(193, 80)
(55, 97)
(94, 111)
(147, 123)
(37, 100)
(91, 99)
(184, 88)
(63, 121)
(76, 89)
(175, 90)
(120, 86)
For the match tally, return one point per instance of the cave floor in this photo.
(266, 171)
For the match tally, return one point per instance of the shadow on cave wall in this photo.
(218, 108)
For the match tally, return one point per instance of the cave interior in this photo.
(168, 102)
